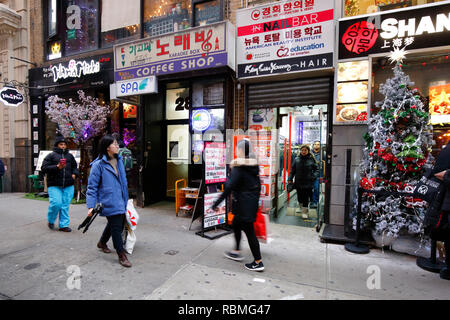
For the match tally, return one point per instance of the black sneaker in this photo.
(254, 266)
(66, 229)
(51, 225)
(233, 256)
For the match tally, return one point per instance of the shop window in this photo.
(357, 7)
(208, 94)
(177, 104)
(166, 16)
(120, 22)
(207, 12)
(81, 27)
(52, 18)
(430, 75)
(252, 3)
(352, 92)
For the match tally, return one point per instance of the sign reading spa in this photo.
(193, 49)
(411, 28)
(287, 36)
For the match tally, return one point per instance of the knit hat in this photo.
(59, 138)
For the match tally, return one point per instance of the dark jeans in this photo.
(249, 230)
(114, 228)
(303, 196)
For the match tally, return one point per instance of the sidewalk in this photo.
(171, 262)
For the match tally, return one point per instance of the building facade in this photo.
(15, 148)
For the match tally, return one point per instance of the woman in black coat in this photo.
(305, 170)
(246, 187)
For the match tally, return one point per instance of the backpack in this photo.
(127, 158)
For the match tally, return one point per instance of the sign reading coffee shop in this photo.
(193, 49)
(289, 36)
(378, 33)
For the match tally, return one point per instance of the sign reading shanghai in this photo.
(289, 36)
(193, 49)
(413, 28)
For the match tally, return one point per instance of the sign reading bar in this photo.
(11, 96)
(415, 28)
(192, 49)
(281, 37)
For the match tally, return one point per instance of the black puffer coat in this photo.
(245, 185)
(305, 170)
(59, 177)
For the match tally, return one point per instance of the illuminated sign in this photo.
(377, 33)
(201, 120)
(439, 104)
(75, 69)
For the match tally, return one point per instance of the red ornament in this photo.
(388, 140)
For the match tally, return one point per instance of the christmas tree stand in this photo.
(357, 247)
(430, 264)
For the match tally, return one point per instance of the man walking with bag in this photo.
(61, 169)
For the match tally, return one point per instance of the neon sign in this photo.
(75, 69)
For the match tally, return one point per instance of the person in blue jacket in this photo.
(107, 184)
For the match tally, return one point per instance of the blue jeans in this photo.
(316, 188)
(60, 199)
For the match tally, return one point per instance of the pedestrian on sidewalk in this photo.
(2, 173)
(305, 171)
(246, 187)
(317, 153)
(61, 169)
(107, 184)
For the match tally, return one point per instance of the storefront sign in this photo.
(75, 69)
(213, 218)
(11, 96)
(137, 86)
(377, 33)
(215, 162)
(193, 49)
(283, 37)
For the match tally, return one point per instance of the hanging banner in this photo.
(415, 28)
(193, 49)
(281, 37)
(215, 162)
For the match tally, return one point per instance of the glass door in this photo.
(177, 156)
(301, 127)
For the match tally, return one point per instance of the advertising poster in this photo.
(439, 104)
(213, 218)
(288, 36)
(215, 162)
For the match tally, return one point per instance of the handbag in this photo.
(261, 226)
(429, 187)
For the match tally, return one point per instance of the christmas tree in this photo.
(398, 146)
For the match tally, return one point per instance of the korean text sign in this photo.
(286, 36)
(193, 49)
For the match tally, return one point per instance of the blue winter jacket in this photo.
(104, 186)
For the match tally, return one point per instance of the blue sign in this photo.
(201, 120)
(137, 86)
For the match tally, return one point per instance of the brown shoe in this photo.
(103, 247)
(123, 260)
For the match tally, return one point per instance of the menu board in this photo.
(213, 218)
(215, 162)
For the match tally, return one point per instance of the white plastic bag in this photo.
(130, 240)
(132, 215)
